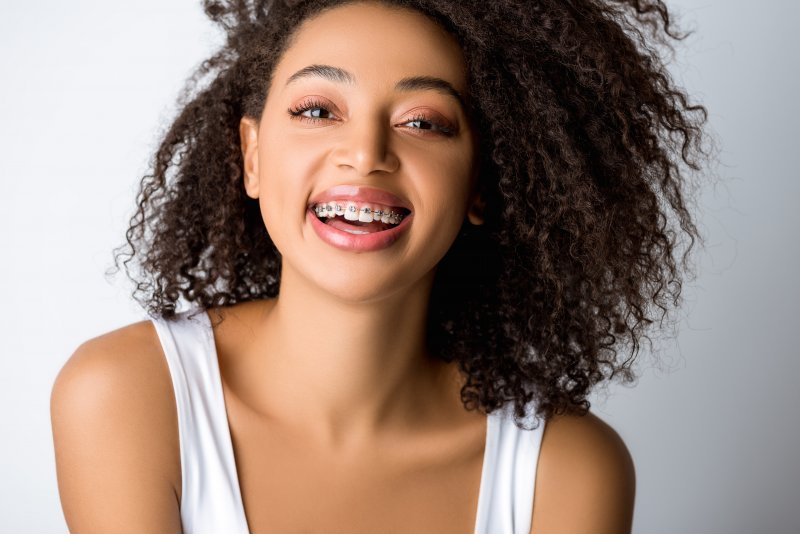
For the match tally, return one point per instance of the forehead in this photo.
(374, 41)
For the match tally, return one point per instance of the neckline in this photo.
(230, 456)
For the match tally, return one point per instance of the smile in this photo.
(347, 227)
(359, 218)
(374, 217)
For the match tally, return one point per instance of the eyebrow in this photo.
(334, 74)
(413, 83)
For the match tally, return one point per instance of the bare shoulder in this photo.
(585, 480)
(116, 374)
(130, 348)
(114, 425)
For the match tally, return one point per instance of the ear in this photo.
(476, 210)
(248, 138)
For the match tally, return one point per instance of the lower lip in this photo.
(358, 242)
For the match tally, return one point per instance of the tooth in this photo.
(365, 214)
(359, 232)
(351, 212)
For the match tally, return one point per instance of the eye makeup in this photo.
(426, 123)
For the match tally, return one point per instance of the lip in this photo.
(358, 242)
(361, 194)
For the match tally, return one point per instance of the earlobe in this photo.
(248, 138)
(476, 210)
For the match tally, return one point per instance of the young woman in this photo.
(413, 235)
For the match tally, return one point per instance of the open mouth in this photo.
(359, 219)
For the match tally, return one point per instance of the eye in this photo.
(428, 125)
(310, 111)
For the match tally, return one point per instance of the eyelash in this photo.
(296, 113)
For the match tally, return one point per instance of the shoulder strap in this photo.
(210, 495)
(509, 475)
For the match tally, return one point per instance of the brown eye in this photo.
(429, 125)
(422, 125)
(312, 111)
(316, 113)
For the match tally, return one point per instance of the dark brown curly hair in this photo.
(586, 150)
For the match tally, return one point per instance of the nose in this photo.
(365, 148)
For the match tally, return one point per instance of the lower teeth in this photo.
(355, 232)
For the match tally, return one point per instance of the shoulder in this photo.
(585, 478)
(114, 419)
(125, 367)
(131, 343)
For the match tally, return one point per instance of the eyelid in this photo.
(442, 125)
(312, 102)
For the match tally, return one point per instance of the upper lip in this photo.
(360, 193)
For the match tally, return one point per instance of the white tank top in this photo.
(211, 501)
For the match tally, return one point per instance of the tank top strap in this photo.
(509, 474)
(210, 494)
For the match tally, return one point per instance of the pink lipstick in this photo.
(353, 235)
(360, 194)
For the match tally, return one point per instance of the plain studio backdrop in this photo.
(714, 428)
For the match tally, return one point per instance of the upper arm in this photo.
(115, 436)
(585, 480)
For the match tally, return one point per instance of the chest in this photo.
(289, 487)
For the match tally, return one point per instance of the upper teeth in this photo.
(355, 212)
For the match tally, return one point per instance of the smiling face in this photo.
(365, 103)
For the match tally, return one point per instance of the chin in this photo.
(365, 283)
(362, 288)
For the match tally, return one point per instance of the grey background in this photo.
(87, 85)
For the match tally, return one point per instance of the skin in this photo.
(365, 365)
(356, 416)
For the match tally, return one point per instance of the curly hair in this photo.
(585, 152)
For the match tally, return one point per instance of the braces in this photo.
(324, 209)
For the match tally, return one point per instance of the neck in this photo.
(354, 369)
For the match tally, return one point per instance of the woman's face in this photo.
(364, 104)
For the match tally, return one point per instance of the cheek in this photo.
(283, 175)
(444, 185)
(276, 200)
(285, 172)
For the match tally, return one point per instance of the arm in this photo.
(115, 435)
(585, 482)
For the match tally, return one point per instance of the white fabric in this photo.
(211, 500)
